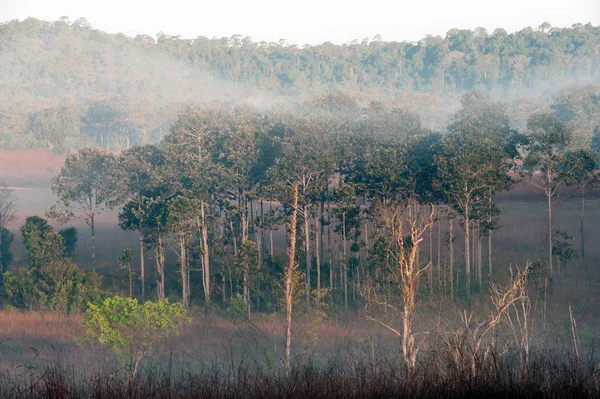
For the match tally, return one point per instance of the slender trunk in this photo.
(160, 267)
(247, 290)
(430, 271)
(479, 262)
(581, 227)
(93, 227)
(142, 268)
(490, 240)
(318, 253)
(202, 224)
(233, 236)
(439, 248)
(307, 252)
(183, 264)
(130, 274)
(329, 257)
(451, 243)
(345, 262)
(289, 279)
(549, 196)
(467, 256)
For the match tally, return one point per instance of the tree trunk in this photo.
(184, 274)
(160, 267)
(318, 255)
(490, 240)
(289, 279)
(430, 271)
(581, 227)
(479, 261)
(451, 243)
(439, 249)
(205, 254)
(345, 262)
(93, 227)
(307, 252)
(549, 196)
(467, 256)
(142, 267)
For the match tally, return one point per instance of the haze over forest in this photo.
(66, 84)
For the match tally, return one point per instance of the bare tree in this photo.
(405, 225)
(473, 345)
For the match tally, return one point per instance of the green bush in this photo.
(130, 330)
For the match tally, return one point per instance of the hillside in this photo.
(67, 84)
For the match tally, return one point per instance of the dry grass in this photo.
(29, 326)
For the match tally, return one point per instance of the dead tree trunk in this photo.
(289, 278)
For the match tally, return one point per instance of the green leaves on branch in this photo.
(131, 330)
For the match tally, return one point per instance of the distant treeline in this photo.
(66, 84)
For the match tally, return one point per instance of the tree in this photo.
(298, 166)
(125, 262)
(137, 174)
(51, 282)
(42, 242)
(84, 187)
(472, 163)
(6, 255)
(405, 224)
(580, 169)
(130, 330)
(69, 238)
(549, 139)
(8, 215)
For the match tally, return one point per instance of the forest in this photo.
(67, 84)
(366, 220)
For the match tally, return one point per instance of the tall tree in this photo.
(84, 187)
(136, 175)
(298, 166)
(549, 139)
(580, 169)
(472, 162)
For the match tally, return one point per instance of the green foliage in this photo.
(580, 169)
(42, 242)
(562, 247)
(69, 238)
(237, 308)
(6, 255)
(126, 258)
(246, 262)
(131, 330)
(52, 282)
(56, 285)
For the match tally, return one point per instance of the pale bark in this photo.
(289, 278)
(307, 252)
(184, 270)
(202, 225)
(160, 267)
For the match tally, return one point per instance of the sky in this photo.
(306, 21)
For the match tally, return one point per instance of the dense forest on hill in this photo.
(67, 84)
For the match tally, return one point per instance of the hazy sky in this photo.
(307, 21)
